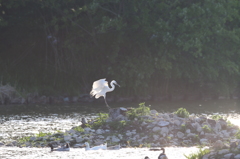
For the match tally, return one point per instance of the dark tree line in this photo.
(150, 47)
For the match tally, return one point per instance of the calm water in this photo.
(208, 107)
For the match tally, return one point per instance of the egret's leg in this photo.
(106, 103)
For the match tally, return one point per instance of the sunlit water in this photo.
(26, 120)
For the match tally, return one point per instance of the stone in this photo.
(33, 138)
(164, 131)
(223, 151)
(204, 141)
(218, 144)
(163, 123)
(211, 122)
(128, 133)
(237, 156)
(87, 130)
(223, 123)
(188, 131)
(115, 139)
(217, 127)
(227, 156)
(117, 114)
(156, 137)
(180, 135)
(156, 129)
(154, 112)
(99, 131)
(177, 122)
(67, 138)
(79, 139)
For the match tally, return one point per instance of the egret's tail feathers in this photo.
(93, 93)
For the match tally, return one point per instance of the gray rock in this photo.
(217, 127)
(33, 138)
(223, 151)
(156, 137)
(180, 135)
(67, 138)
(164, 131)
(163, 123)
(177, 122)
(99, 131)
(156, 129)
(188, 131)
(79, 139)
(115, 139)
(227, 156)
(218, 144)
(237, 156)
(204, 141)
(154, 112)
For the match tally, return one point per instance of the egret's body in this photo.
(100, 88)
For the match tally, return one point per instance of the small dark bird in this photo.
(162, 155)
(64, 148)
(146, 157)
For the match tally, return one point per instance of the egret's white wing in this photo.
(100, 84)
(99, 88)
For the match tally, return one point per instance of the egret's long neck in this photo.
(113, 87)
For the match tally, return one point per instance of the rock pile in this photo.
(153, 129)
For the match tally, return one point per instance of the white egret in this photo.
(100, 88)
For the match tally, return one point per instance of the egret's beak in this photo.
(118, 85)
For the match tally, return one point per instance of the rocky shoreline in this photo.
(142, 127)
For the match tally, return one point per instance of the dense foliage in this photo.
(151, 47)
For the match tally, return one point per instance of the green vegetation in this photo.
(138, 112)
(163, 47)
(217, 117)
(119, 125)
(24, 139)
(182, 112)
(99, 121)
(41, 134)
(183, 128)
(206, 129)
(38, 137)
(199, 154)
(79, 129)
(238, 134)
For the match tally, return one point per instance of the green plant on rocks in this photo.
(42, 134)
(137, 112)
(183, 128)
(217, 117)
(237, 135)
(199, 154)
(99, 121)
(206, 129)
(24, 139)
(78, 129)
(182, 112)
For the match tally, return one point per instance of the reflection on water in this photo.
(197, 107)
